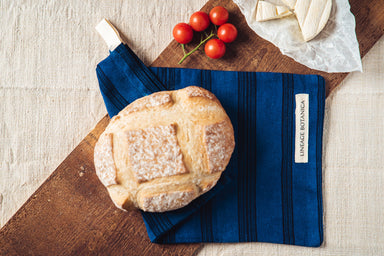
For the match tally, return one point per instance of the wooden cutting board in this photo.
(71, 213)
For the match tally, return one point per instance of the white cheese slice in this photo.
(312, 16)
(267, 11)
(290, 3)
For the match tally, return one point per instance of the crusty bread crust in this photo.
(164, 150)
(104, 164)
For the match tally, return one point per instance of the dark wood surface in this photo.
(72, 214)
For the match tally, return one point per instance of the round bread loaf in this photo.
(164, 150)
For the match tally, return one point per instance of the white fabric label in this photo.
(109, 33)
(301, 128)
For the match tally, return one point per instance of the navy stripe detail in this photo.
(206, 78)
(247, 173)
(161, 74)
(319, 148)
(154, 226)
(172, 78)
(243, 164)
(168, 75)
(246, 153)
(110, 91)
(159, 220)
(206, 223)
(291, 147)
(251, 156)
(283, 199)
(159, 223)
(163, 219)
(287, 136)
(169, 237)
(148, 79)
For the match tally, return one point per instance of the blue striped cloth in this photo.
(263, 195)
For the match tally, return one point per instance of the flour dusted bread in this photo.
(164, 150)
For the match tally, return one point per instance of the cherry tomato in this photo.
(199, 21)
(183, 33)
(214, 48)
(227, 33)
(218, 15)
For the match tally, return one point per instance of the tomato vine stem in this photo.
(196, 48)
(183, 47)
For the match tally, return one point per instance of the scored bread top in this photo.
(154, 152)
(164, 150)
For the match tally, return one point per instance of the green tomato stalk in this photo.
(196, 48)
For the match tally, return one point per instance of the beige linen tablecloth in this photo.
(50, 100)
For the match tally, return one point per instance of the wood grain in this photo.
(72, 214)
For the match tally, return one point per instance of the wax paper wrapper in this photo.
(335, 49)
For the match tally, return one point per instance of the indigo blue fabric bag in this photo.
(271, 189)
